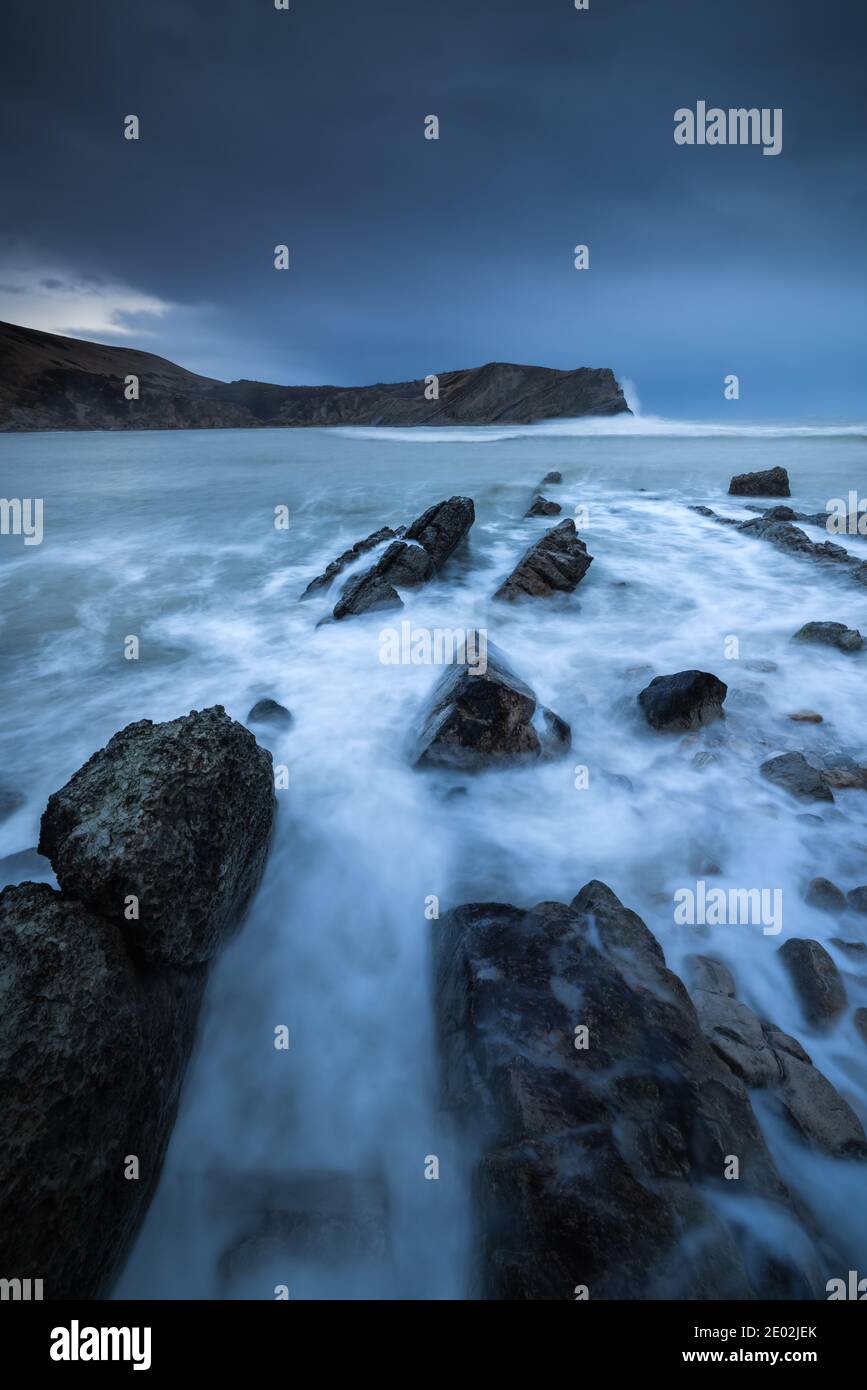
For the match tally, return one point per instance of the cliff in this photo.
(52, 383)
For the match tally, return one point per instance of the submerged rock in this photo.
(825, 895)
(366, 593)
(269, 712)
(794, 774)
(596, 1150)
(552, 477)
(683, 701)
(476, 719)
(845, 639)
(324, 580)
(816, 979)
(555, 564)
(857, 899)
(97, 1012)
(771, 482)
(540, 506)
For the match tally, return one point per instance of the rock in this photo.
(407, 564)
(480, 720)
(442, 527)
(794, 774)
(782, 1042)
(706, 973)
(269, 712)
(540, 506)
(683, 701)
(772, 482)
(852, 948)
(845, 639)
(92, 1054)
(324, 580)
(857, 899)
(736, 1035)
(859, 1018)
(816, 979)
(555, 564)
(825, 895)
(817, 1111)
(759, 664)
(366, 593)
(178, 815)
(552, 477)
(97, 1014)
(805, 716)
(594, 1160)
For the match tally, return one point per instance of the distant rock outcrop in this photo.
(48, 382)
(773, 482)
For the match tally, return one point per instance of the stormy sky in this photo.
(306, 127)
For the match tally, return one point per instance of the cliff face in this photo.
(53, 383)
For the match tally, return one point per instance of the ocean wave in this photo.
(617, 426)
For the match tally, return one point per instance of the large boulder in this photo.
(816, 978)
(555, 564)
(176, 815)
(599, 1150)
(683, 701)
(98, 1012)
(845, 639)
(442, 527)
(772, 482)
(486, 718)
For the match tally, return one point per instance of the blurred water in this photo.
(171, 537)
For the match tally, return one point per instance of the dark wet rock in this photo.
(594, 1160)
(552, 477)
(487, 719)
(825, 895)
(707, 973)
(794, 774)
(406, 564)
(772, 482)
(540, 506)
(783, 1042)
(324, 580)
(845, 639)
(781, 514)
(366, 593)
(683, 701)
(92, 1053)
(442, 527)
(857, 899)
(851, 948)
(10, 801)
(816, 979)
(736, 1035)
(269, 712)
(555, 564)
(178, 815)
(817, 1111)
(859, 1018)
(792, 538)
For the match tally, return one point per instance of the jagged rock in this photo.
(554, 564)
(540, 506)
(706, 973)
(407, 564)
(366, 593)
(794, 774)
(552, 477)
(594, 1160)
(818, 1112)
(683, 701)
(857, 899)
(736, 1035)
(772, 482)
(97, 1014)
(269, 712)
(845, 639)
(177, 815)
(442, 527)
(486, 720)
(788, 537)
(324, 580)
(816, 979)
(825, 895)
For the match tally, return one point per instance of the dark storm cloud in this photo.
(408, 256)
